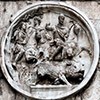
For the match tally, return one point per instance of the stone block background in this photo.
(90, 8)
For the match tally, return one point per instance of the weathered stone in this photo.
(90, 8)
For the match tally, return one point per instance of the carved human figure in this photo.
(20, 39)
(18, 52)
(59, 31)
(45, 50)
(20, 35)
(58, 46)
(39, 30)
(32, 30)
(64, 50)
(36, 36)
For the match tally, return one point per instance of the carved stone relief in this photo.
(49, 47)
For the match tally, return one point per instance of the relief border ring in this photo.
(95, 40)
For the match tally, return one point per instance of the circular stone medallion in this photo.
(50, 51)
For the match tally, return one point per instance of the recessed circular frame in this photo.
(50, 51)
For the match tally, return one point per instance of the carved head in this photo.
(37, 21)
(24, 25)
(58, 42)
(69, 52)
(68, 63)
(72, 44)
(30, 55)
(61, 19)
(77, 29)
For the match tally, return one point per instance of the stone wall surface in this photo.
(90, 8)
